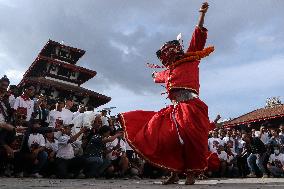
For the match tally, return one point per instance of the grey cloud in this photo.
(140, 27)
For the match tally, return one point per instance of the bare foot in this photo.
(190, 180)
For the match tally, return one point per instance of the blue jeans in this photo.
(42, 159)
(276, 171)
(95, 166)
(66, 166)
(257, 159)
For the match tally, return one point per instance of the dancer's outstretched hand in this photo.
(204, 7)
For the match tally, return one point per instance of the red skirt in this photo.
(213, 162)
(155, 135)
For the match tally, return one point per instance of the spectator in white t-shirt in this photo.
(229, 139)
(51, 144)
(25, 101)
(116, 153)
(81, 110)
(264, 135)
(223, 160)
(66, 161)
(214, 141)
(276, 163)
(67, 114)
(36, 144)
(239, 142)
(51, 147)
(13, 91)
(85, 119)
(55, 118)
(104, 118)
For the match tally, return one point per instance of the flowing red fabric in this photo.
(213, 161)
(155, 137)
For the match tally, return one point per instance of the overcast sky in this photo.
(121, 36)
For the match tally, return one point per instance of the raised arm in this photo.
(203, 9)
(199, 36)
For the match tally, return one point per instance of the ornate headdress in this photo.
(172, 54)
(168, 49)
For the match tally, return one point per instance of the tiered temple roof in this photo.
(55, 73)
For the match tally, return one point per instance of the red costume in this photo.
(176, 137)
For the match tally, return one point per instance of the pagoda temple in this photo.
(54, 73)
(272, 114)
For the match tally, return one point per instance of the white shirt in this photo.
(12, 100)
(67, 116)
(36, 138)
(104, 121)
(65, 149)
(89, 118)
(226, 139)
(241, 143)
(223, 156)
(279, 157)
(78, 124)
(264, 138)
(28, 104)
(75, 114)
(52, 145)
(213, 143)
(53, 116)
(110, 145)
(85, 119)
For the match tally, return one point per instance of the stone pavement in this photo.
(271, 183)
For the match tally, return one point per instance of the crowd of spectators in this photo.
(44, 137)
(248, 153)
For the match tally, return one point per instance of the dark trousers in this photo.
(95, 166)
(129, 154)
(42, 159)
(66, 166)
(243, 166)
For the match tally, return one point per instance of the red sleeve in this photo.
(198, 39)
(160, 77)
(212, 126)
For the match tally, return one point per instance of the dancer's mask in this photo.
(170, 52)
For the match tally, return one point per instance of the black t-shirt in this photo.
(257, 146)
(95, 147)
